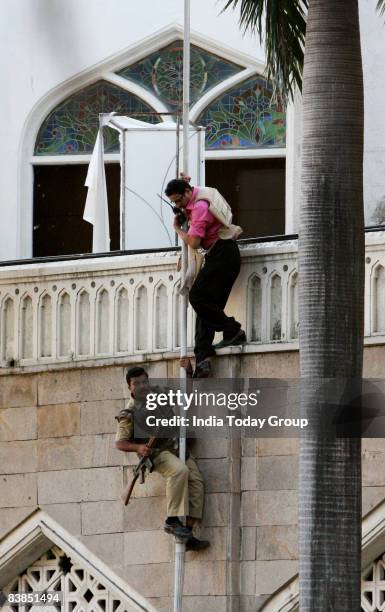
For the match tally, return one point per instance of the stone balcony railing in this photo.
(107, 308)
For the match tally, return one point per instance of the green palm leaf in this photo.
(281, 27)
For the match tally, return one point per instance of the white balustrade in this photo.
(113, 307)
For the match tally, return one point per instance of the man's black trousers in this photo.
(209, 294)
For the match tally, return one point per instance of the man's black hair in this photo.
(134, 372)
(177, 186)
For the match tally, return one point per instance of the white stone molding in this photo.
(37, 534)
(244, 153)
(218, 90)
(100, 309)
(136, 89)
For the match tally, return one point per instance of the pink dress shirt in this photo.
(203, 224)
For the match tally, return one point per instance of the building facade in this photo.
(70, 327)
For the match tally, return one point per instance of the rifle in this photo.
(145, 464)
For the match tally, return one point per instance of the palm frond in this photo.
(281, 27)
(381, 6)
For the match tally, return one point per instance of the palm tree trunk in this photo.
(331, 285)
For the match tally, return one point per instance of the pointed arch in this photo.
(83, 322)
(176, 306)
(72, 126)
(40, 537)
(26, 327)
(275, 306)
(161, 72)
(293, 306)
(254, 299)
(122, 317)
(64, 323)
(45, 325)
(141, 318)
(102, 321)
(245, 116)
(378, 299)
(161, 315)
(7, 330)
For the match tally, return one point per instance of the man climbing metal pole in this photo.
(209, 217)
(180, 544)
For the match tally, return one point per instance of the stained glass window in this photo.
(72, 126)
(162, 73)
(245, 117)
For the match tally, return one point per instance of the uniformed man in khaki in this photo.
(184, 482)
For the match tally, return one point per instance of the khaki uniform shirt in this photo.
(127, 422)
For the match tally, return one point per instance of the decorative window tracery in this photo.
(373, 586)
(55, 572)
(162, 73)
(245, 117)
(71, 128)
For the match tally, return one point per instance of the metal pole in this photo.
(180, 547)
(177, 155)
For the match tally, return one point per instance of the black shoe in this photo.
(177, 530)
(239, 338)
(203, 369)
(195, 544)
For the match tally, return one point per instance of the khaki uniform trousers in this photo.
(184, 485)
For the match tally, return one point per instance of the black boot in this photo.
(238, 339)
(174, 527)
(203, 369)
(195, 544)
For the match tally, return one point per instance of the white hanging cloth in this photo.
(96, 208)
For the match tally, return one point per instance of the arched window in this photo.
(162, 73)
(244, 126)
(70, 129)
(245, 117)
(245, 141)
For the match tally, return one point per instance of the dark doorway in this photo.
(255, 189)
(59, 200)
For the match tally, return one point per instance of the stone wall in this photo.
(57, 452)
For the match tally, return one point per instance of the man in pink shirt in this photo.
(211, 289)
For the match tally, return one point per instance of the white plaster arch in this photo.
(43, 294)
(87, 337)
(24, 295)
(44, 331)
(292, 312)
(7, 296)
(250, 313)
(103, 70)
(286, 599)
(218, 90)
(36, 534)
(119, 327)
(142, 326)
(63, 292)
(106, 70)
(161, 320)
(175, 312)
(377, 268)
(274, 272)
